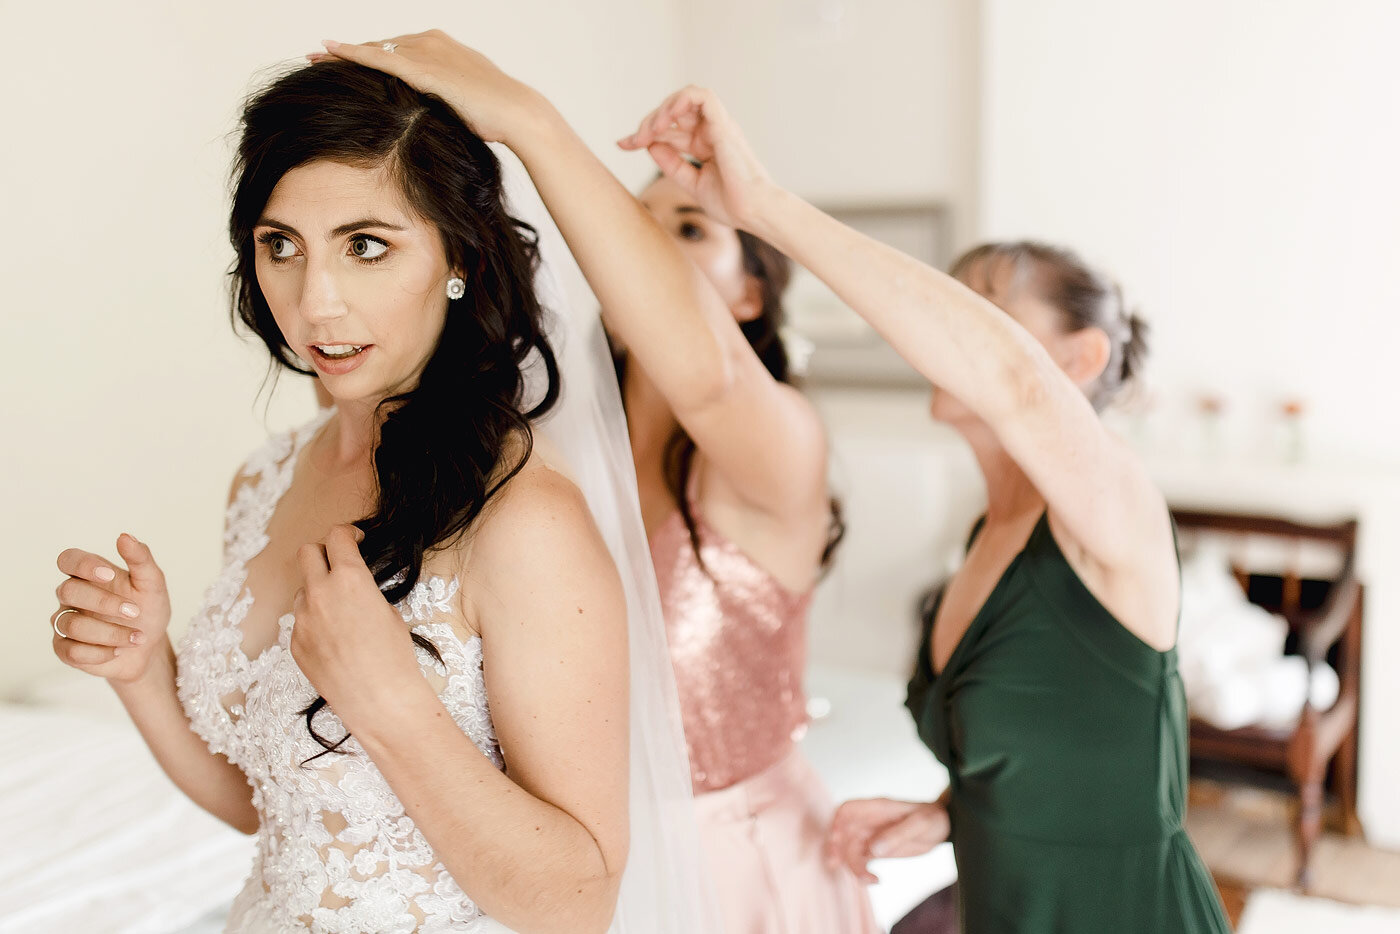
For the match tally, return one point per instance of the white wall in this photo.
(1233, 163)
(849, 101)
(128, 401)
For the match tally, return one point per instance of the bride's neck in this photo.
(348, 442)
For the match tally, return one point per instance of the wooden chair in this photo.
(1331, 630)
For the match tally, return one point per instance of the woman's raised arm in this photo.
(760, 434)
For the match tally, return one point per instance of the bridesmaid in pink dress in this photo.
(732, 472)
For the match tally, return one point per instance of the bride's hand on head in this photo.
(110, 622)
(729, 183)
(494, 104)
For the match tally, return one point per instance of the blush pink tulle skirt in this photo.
(763, 842)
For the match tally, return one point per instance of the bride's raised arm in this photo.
(759, 433)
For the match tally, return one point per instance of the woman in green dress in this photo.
(1048, 683)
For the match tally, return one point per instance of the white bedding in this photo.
(97, 839)
(94, 837)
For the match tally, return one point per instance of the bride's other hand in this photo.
(881, 828)
(110, 621)
(348, 640)
(493, 104)
(692, 124)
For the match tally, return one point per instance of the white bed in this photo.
(97, 839)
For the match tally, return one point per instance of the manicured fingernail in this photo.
(138, 637)
(131, 610)
(330, 44)
(104, 574)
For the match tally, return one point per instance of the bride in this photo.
(431, 676)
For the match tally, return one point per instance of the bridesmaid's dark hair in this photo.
(1084, 297)
(442, 445)
(771, 270)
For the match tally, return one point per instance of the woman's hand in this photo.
(730, 182)
(351, 644)
(112, 621)
(492, 103)
(880, 828)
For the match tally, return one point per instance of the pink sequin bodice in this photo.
(738, 641)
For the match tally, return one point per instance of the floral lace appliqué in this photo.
(336, 853)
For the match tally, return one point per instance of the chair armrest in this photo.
(1322, 631)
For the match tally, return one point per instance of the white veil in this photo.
(665, 889)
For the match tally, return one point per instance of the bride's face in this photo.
(355, 280)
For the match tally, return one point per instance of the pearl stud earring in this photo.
(456, 287)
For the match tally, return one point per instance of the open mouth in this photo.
(338, 351)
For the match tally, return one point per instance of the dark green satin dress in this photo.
(1065, 741)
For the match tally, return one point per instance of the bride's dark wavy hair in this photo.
(439, 454)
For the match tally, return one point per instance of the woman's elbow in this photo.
(590, 909)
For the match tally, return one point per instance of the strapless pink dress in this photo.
(738, 642)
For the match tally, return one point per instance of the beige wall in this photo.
(849, 101)
(1234, 164)
(128, 401)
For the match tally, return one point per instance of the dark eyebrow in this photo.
(340, 231)
(689, 209)
(362, 223)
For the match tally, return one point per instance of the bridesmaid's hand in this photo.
(110, 622)
(350, 642)
(880, 828)
(730, 184)
(495, 105)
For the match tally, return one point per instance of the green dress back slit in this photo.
(1064, 736)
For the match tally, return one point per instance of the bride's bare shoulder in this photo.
(539, 514)
(534, 549)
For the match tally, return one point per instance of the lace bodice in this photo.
(335, 851)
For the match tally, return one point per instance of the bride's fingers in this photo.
(371, 55)
(92, 598)
(146, 575)
(314, 564)
(82, 564)
(81, 628)
(82, 655)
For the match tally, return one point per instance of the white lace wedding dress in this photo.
(335, 851)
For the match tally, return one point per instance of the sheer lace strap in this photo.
(261, 482)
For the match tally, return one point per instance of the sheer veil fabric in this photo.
(665, 890)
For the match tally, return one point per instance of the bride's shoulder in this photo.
(539, 514)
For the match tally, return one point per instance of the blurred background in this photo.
(1231, 163)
